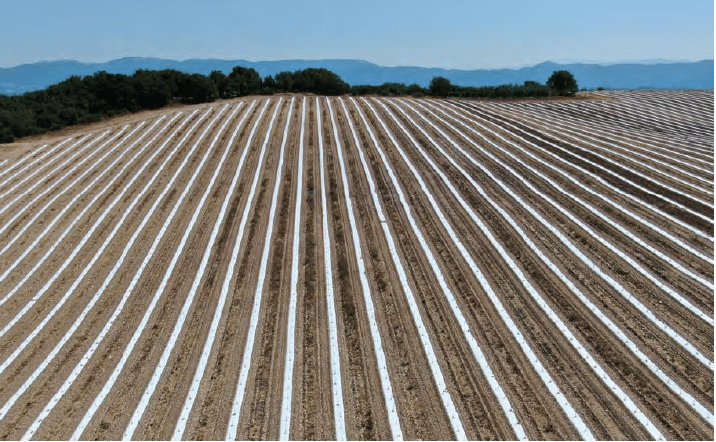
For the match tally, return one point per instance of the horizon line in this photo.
(598, 63)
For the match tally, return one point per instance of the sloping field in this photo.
(364, 268)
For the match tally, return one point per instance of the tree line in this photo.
(561, 83)
(93, 97)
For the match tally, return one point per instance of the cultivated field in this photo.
(364, 268)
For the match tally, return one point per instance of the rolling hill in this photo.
(648, 75)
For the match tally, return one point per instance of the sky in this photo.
(463, 34)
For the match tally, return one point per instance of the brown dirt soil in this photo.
(49, 339)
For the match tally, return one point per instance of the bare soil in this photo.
(54, 342)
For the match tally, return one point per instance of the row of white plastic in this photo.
(129, 244)
(60, 191)
(557, 159)
(663, 147)
(597, 114)
(657, 111)
(613, 386)
(78, 280)
(76, 372)
(248, 353)
(680, 99)
(199, 372)
(652, 249)
(26, 162)
(45, 288)
(688, 272)
(685, 102)
(687, 170)
(26, 275)
(698, 110)
(668, 199)
(7, 196)
(335, 360)
(218, 311)
(391, 407)
(640, 220)
(435, 368)
(6, 165)
(590, 147)
(683, 342)
(665, 121)
(585, 300)
(620, 115)
(478, 354)
(162, 289)
(284, 431)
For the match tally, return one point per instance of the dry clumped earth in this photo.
(367, 268)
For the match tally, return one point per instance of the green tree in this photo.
(243, 81)
(151, 90)
(284, 81)
(415, 90)
(563, 82)
(269, 85)
(440, 87)
(196, 88)
(220, 80)
(318, 81)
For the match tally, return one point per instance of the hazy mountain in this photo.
(656, 74)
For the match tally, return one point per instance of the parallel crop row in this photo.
(372, 268)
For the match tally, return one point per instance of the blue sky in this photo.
(464, 34)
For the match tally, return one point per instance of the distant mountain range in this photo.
(642, 75)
